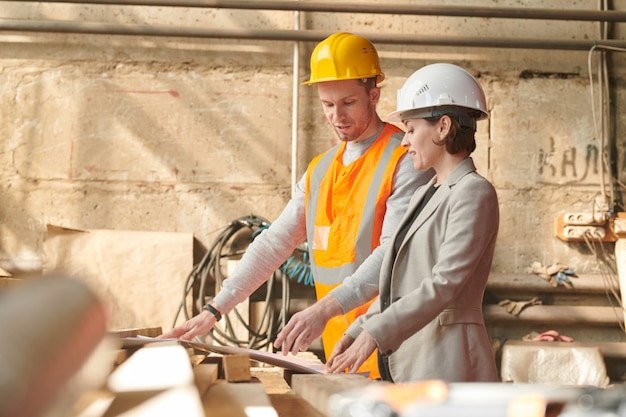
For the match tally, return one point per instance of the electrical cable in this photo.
(608, 271)
(600, 131)
(607, 264)
(207, 278)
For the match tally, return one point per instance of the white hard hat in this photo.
(438, 89)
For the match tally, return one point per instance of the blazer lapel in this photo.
(389, 257)
(426, 212)
(465, 167)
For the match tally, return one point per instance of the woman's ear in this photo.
(445, 124)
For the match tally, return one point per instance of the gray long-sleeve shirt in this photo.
(272, 247)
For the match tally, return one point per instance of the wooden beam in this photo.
(225, 399)
(204, 375)
(597, 284)
(316, 389)
(236, 367)
(155, 380)
(140, 331)
(557, 315)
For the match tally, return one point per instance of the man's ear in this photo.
(375, 94)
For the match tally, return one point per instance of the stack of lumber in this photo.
(167, 377)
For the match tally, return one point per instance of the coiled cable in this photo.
(207, 277)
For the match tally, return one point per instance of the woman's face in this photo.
(420, 140)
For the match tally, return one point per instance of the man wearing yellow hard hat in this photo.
(346, 206)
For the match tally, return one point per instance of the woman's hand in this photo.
(349, 354)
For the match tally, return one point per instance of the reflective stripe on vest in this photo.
(364, 245)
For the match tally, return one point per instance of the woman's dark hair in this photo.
(459, 138)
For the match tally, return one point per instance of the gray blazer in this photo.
(432, 326)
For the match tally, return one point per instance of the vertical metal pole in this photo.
(294, 105)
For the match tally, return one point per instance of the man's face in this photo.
(349, 108)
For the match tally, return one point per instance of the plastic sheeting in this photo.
(553, 365)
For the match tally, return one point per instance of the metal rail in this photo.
(378, 8)
(97, 28)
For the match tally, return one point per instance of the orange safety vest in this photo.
(345, 208)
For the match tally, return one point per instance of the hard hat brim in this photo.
(379, 78)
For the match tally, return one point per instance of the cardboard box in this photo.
(140, 276)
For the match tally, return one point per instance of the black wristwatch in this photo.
(214, 311)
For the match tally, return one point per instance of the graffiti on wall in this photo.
(571, 164)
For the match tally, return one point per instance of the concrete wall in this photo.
(186, 134)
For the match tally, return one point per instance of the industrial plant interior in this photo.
(147, 144)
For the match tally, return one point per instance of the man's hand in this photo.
(307, 325)
(193, 327)
(349, 354)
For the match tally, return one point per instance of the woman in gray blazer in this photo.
(427, 322)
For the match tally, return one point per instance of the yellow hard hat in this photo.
(344, 56)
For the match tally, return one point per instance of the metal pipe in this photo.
(556, 315)
(294, 105)
(525, 283)
(96, 28)
(378, 8)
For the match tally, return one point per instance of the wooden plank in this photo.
(196, 359)
(276, 359)
(140, 331)
(6, 282)
(292, 405)
(236, 367)
(119, 356)
(286, 402)
(177, 401)
(307, 356)
(226, 399)
(217, 360)
(317, 389)
(155, 380)
(557, 315)
(93, 403)
(155, 367)
(272, 378)
(204, 375)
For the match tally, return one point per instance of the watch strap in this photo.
(214, 311)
